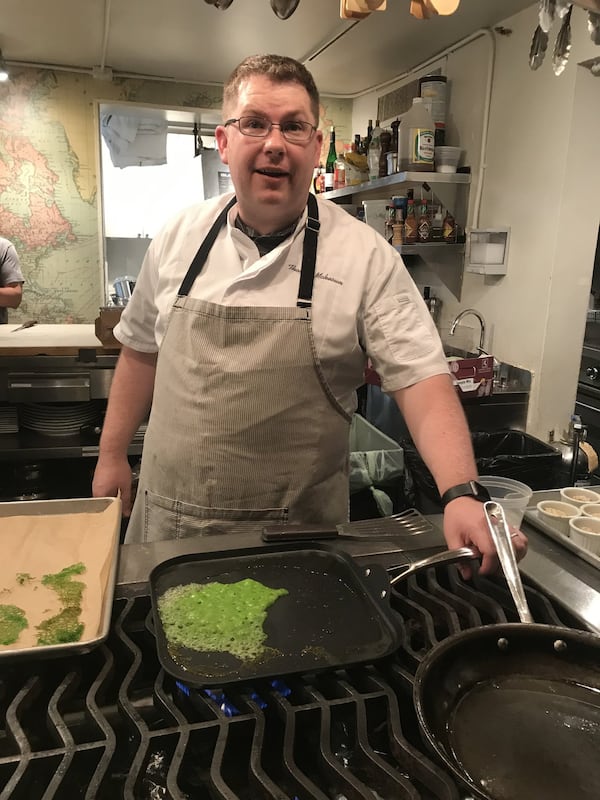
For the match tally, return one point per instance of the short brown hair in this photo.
(279, 69)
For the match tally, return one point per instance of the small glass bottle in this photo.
(449, 228)
(330, 162)
(410, 223)
(424, 224)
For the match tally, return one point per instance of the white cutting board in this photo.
(50, 339)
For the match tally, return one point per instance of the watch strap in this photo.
(470, 489)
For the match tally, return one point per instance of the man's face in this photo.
(271, 176)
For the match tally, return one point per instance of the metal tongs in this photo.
(502, 539)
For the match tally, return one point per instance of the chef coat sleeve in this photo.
(395, 325)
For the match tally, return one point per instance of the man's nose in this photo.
(274, 139)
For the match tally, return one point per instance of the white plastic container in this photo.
(512, 495)
(416, 139)
(447, 158)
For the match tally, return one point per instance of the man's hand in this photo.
(113, 475)
(465, 523)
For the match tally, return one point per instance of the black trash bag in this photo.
(508, 454)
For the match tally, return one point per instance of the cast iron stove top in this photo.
(112, 724)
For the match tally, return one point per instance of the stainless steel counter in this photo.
(560, 573)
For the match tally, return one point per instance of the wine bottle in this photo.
(330, 162)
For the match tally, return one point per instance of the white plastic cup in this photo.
(447, 158)
(512, 495)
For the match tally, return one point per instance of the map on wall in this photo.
(47, 203)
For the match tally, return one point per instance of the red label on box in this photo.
(473, 377)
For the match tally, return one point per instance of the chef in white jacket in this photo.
(247, 336)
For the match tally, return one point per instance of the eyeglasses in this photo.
(293, 130)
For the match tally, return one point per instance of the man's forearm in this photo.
(439, 429)
(129, 400)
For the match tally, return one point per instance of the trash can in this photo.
(376, 472)
(509, 454)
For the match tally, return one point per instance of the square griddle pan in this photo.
(336, 613)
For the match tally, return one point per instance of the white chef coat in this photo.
(364, 303)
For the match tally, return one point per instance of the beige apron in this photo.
(244, 429)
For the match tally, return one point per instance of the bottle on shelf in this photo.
(424, 224)
(449, 228)
(385, 142)
(374, 155)
(369, 132)
(319, 179)
(330, 162)
(410, 223)
(339, 175)
(416, 144)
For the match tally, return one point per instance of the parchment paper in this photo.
(42, 544)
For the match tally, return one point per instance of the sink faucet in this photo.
(474, 313)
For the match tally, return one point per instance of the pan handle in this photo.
(446, 557)
(502, 539)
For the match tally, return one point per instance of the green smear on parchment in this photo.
(64, 626)
(12, 622)
(218, 617)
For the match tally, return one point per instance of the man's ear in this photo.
(221, 138)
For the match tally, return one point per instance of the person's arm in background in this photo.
(129, 401)
(439, 430)
(11, 279)
(11, 295)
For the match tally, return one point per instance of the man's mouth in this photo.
(272, 173)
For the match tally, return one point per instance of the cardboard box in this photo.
(473, 377)
(104, 324)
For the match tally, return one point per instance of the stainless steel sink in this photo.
(457, 352)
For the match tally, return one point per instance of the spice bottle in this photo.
(423, 224)
(410, 223)
(449, 228)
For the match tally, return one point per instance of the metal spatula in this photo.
(409, 525)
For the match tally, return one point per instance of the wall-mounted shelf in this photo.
(451, 190)
(434, 179)
(429, 248)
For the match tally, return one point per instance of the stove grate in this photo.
(111, 724)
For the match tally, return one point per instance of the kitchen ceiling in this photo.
(191, 40)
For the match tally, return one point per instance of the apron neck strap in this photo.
(204, 249)
(309, 254)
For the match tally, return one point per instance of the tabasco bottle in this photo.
(410, 223)
(424, 224)
(449, 228)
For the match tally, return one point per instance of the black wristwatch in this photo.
(470, 489)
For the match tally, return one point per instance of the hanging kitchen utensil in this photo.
(546, 14)
(284, 8)
(562, 46)
(539, 45)
(418, 10)
(513, 709)
(335, 613)
(593, 26)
